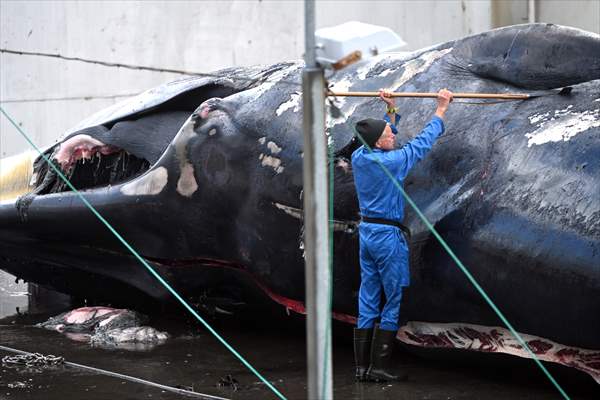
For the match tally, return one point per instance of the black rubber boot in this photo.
(362, 352)
(381, 355)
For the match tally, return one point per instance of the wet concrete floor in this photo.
(274, 344)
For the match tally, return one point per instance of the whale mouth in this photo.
(87, 163)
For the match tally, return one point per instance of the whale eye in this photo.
(207, 129)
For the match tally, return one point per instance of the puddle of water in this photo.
(272, 342)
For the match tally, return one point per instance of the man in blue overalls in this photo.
(383, 248)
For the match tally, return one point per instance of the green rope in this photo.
(148, 267)
(461, 266)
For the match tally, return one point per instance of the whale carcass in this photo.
(107, 327)
(203, 177)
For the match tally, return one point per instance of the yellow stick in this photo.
(506, 96)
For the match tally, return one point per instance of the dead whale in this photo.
(107, 328)
(203, 177)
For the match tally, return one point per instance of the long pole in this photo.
(504, 96)
(316, 217)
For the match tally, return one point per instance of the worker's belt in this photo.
(388, 222)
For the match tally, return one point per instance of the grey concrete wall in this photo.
(419, 23)
(509, 12)
(12, 295)
(49, 95)
(582, 14)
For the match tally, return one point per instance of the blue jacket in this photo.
(377, 195)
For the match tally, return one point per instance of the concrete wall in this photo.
(419, 23)
(13, 295)
(49, 95)
(582, 14)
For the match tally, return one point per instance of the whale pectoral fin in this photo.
(533, 56)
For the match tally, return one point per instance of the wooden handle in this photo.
(506, 96)
(349, 59)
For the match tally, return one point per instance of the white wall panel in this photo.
(198, 36)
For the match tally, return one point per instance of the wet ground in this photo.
(273, 343)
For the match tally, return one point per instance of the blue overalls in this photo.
(383, 248)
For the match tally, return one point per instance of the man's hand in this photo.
(444, 98)
(386, 96)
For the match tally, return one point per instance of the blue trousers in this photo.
(383, 263)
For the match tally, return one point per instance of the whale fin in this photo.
(531, 56)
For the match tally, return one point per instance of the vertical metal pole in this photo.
(316, 219)
(531, 11)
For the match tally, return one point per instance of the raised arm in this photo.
(417, 148)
